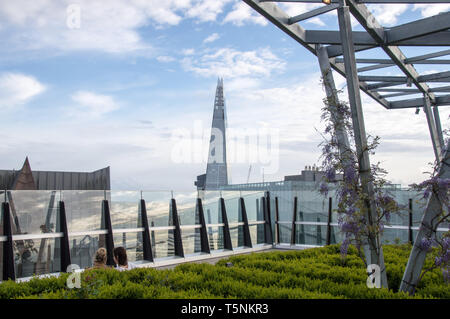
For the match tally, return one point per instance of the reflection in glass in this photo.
(163, 243)
(158, 207)
(285, 233)
(215, 237)
(257, 234)
(124, 209)
(186, 207)
(211, 207)
(311, 235)
(234, 234)
(36, 257)
(232, 206)
(191, 241)
(83, 248)
(33, 212)
(253, 205)
(83, 210)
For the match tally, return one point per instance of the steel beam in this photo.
(109, 239)
(424, 57)
(330, 211)
(280, 19)
(435, 77)
(312, 13)
(268, 236)
(418, 102)
(8, 245)
(204, 243)
(437, 120)
(437, 148)
(227, 243)
(418, 28)
(365, 41)
(177, 238)
(374, 67)
(277, 219)
(336, 49)
(363, 15)
(373, 248)
(246, 230)
(146, 237)
(427, 229)
(436, 89)
(65, 247)
(294, 219)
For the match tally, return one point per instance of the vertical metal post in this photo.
(427, 229)
(8, 250)
(65, 247)
(373, 249)
(268, 237)
(277, 220)
(247, 237)
(109, 237)
(227, 244)
(435, 139)
(204, 243)
(330, 210)
(410, 222)
(146, 238)
(294, 219)
(437, 120)
(177, 232)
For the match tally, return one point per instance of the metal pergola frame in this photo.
(432, 32)
(329, 45)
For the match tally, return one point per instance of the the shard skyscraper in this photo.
(216, 169)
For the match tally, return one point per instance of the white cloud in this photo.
(108, 26)
(165, 58)
(231, 63)
(94, 104)
(17, 89)
(242, 14)
(188, 51)
(206, 10)
(387, 14)
(213, 37)
(428, 10)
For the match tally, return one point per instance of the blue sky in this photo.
(117, 90)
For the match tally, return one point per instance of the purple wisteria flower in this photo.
(331, 174)
(426, 244)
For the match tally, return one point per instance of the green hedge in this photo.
(312, 273)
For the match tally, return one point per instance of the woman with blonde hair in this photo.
(100, 259)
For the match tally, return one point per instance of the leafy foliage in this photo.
(312, 273)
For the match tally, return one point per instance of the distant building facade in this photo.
(27, 179)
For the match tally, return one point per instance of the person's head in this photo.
(120, 256)
(100, 256)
